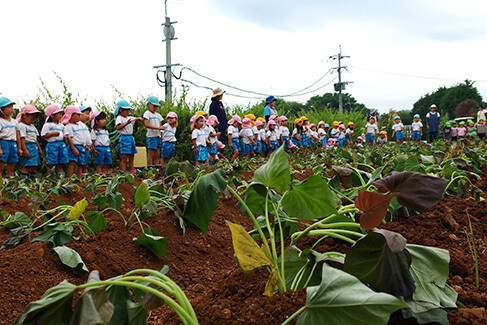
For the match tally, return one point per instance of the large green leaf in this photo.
(58, 234)
(425, 313)
(380, 260)
(275, 173)
(430, 269)
(53, 308)
(255, 199)
(96, 221)
(203, 199)
(119, 297)
(415, 191)
(149, 239)
(342, 299)
(309, 200)
(413, 165)
(93, 307)
(19, 219)
(141, 196)
(71, 258)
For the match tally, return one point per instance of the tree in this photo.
(447, 99)
(330, 100)
(466, 107)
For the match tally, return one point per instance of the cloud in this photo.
(411, 19)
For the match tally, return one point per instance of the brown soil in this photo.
(205, 269)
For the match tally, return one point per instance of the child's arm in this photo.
(149, 126)
(73, 148)
(50, 135)
(252, 140)
(195, 146)
(25, 152)
(19, 143)
(121, 126)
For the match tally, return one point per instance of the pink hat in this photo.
(272, 117)
(271, 122)
(93, 117)
(360, 138)
(342, 126)
(68, 112)
(258, 123)
(321, 123)
(172, 114)
(246, 123)
(212, 119)
(234, 119)
(219, 145)
(27, 109)
(52, 109)
(281, 119)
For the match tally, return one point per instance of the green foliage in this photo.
(71, 258)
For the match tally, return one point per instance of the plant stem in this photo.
(299, 311)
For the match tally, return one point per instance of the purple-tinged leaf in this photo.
(374, 207)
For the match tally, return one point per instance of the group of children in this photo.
(70, 141)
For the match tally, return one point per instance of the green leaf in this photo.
(58, 234)
(96, 221)
(425, 313)
(78, 209)
(93, 307)
(203, 199)
(427, 160)
(53, 308)
(380, 260)
(309, 200)
(155, 244)
(250, 256)
(19, 219)
(142, 195)
(430, 269)
(374, 207)
(342, 299)
(115, 201)
(413, 165)
(119, 297)
(172, 167)
(275, 173)
(71, 258)
(137, 315)
(101, 200)
(300, 269)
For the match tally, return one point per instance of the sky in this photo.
(399, 50)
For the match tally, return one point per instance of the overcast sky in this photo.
(399, 50)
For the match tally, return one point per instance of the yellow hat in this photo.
(335, 123)
(296, 121)
(350, 123)
(304, 118)
(202, 113)
(261, 119)
(320, 123)
(383, 132)
(250, 116)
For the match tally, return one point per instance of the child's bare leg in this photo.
(123, 163)
(79, 170)
(150, 157)
(71, 168)
(10, 169)
(131, 161)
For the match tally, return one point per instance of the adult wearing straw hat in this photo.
(217, 109)
(433, 124)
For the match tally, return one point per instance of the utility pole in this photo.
(169, 34)
(340, 85)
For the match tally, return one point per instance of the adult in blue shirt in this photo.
(433, 125)
(270, 108)
(217, 109)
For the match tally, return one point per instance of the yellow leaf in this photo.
(77, 210)
(249, 254)
(272, 285)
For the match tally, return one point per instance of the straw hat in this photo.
(217, 92)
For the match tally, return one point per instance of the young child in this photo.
(371, 130)
(30, 159)
(322, 134)
(283, 132)
(341, 135)
(332, 144)
(305, 140)
(417, 128)
(349, 133)
(297, 135)
(262, 136)
(335, 132)
(481, 128)
(100, 145)
(53, 132)
(272, 136)
(313, 133)
(454, 129)
(84, 118)
(447, 132)
(220, 146)
(382, 139)
(471, 126)
(248, 142)
(200, 141)
(213, 136)
(461, 131)
(124, 123)
(254, 132)
(233, 133)
(358, 142)
(153, 123)
(79, 140)
(169, 137)
(10, 137)
(398, 130)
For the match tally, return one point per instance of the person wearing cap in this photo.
(335, 131)
(416, 128)
(233, 136)
(9, 137)
(248, 140)
(305, 137)
(272, 136)
(454, 131)
(349, 133)
(53, 132)
(382, 139)
(371, 130)
(359, 142)
(481, 113)
(213, 135)
(169, 137)
(30, 159)
(322, 134)
(200, 141)
(100, 142)
(84, 118)
(124, 123)
(296, 136)
(262, 138)
(433, 123)
(398, 130)
(447, 132)
(283, 131)
(461, 131)
(79, 141)
(217, 109)
(270, 108)
(153, 124)
(255, 132)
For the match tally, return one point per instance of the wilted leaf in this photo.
(374, 207)
(415, 191)
(275, 173)
(380, 260)
(344, 174)
(250, 255)
(78, 209)
(71, 258)
(15, 236)
(272, 285)
(309, 200)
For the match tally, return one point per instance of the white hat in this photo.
(433, 106)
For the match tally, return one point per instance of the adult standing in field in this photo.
(481, 113)
(217, 109)
(433, 125)
(270, 108)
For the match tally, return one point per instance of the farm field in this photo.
(204, 265)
